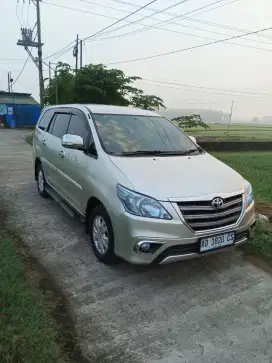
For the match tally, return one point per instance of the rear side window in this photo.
(61, 123)
(78, 126)
(45, 119)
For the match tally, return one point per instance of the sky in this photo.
(223, 66)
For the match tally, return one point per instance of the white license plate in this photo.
(219, 241)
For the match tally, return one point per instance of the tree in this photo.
(188, 122)
(147, 102)
(60, 88)
(96, 83)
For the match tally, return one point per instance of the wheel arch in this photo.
(92, 203)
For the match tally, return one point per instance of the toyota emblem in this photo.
(217, 203)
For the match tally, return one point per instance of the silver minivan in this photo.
(145, 190)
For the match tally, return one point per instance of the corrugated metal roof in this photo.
(17, 98)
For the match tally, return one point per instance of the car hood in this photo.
(175, 177)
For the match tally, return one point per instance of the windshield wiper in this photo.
(188, 152)
(157, 152)
(142, 152)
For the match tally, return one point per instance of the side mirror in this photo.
(193, 139)
(72, 142)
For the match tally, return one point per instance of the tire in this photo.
(41, 182)
(101, 236)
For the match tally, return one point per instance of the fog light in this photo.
(144, 247)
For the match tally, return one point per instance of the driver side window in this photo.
(78, 126)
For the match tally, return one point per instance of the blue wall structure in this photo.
(22, 115)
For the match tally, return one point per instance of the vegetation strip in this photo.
(34, 323)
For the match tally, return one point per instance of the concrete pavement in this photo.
(215, 309)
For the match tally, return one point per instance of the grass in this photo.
(28, 332)
(241, 132)
(261, 242)
(255, 167)
(29, 139)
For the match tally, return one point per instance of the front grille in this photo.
(202, 216)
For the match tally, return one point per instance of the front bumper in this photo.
(173, 240)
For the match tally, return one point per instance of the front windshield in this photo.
(129, 134)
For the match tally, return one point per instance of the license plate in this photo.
(215, 242)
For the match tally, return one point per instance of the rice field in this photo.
(241, 132)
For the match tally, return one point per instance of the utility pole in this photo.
(50, 71)
(81, 56)
(27, 42)
(9, 82)
(56, 84)
(75, 52)
(40, 63)
(230, 116)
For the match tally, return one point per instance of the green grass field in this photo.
(257, 168)
(237, 132)
(28, 333)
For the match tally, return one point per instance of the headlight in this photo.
(249, 193)
(141, 205)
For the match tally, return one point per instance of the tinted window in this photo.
(78, 126)
(122, 134)
(51, 124)
(61, 124)
(46, 118)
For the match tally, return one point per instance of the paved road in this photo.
(211, 310)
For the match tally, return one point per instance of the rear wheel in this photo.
(41, 183)
(101, 235)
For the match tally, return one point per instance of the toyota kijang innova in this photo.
(145, 190)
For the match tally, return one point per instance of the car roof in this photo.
(109, 109)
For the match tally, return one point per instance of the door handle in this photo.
(61, 153)
(44, 142)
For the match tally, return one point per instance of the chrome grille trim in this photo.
(220, 214)
(202, 216)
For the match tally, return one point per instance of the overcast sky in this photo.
(223, 66)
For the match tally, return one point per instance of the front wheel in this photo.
(101, 235)
(41, 182)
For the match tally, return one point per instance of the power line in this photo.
(205, 91)
(155, 13)
(203, 37)
(17, 15)
(194, 19)
(176, 23)
(27, 15)
(70, 45)
(122, 19)
(207, 88)
(67, 48)
(180, 17)
(22, 11)
(63, 51)
(228, 27)
(21, 72)
(190, 48)
(200, 36)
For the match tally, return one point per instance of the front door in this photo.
(53, 156)
(73, 167)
